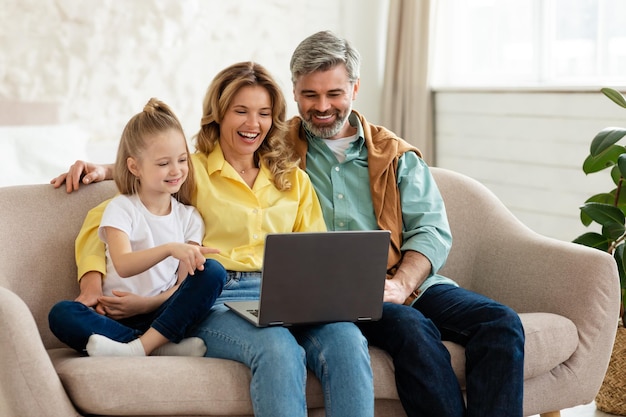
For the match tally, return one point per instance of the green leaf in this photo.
(621, 268)
(613, 231)
(604, 214)
(621, 164)
(614, 95)
(605, 138)
(616, 174)
(605, 159)
(618, 254)
(593, 240)
(605, 198)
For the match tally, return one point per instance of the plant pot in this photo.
(612, 395)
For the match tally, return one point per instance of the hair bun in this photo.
(153, 105)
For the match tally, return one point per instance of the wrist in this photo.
(406, 283)
(108, 171)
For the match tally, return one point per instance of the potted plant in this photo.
(608, 209)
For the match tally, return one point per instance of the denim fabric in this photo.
(493, 338)
(426, 383)
(73, 322)
(278, 358)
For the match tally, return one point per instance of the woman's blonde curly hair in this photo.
(275, 151)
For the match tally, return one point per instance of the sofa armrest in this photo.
(29, 385)
(534, 273)
(494, 254)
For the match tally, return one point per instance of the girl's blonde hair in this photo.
(275, 151)
(156, 117)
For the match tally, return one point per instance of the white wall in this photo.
(99, 61)
(528, 147)
(96, 62)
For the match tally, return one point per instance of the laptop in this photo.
(319, 277)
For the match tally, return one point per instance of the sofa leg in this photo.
(551, 414)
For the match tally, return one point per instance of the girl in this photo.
(152, 245)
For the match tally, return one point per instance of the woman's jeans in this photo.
(493, 338)
(278, 358)
(73, 322)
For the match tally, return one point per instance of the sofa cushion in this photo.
(213, 386)
(550, 340)
(177, 385)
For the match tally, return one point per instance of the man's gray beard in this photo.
(325, 132)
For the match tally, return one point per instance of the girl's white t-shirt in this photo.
(146, 230)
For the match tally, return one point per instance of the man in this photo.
(368, 178)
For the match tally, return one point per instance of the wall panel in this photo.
(528, 148)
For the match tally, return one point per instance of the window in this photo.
(529, 43)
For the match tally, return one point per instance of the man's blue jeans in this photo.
(73, 322)
(278, 358)
(493, 338)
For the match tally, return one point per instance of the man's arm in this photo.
(426, 236)
(412, 272)
(85, 172)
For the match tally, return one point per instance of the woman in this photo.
(247, 177)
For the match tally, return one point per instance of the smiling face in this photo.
(162, 166)
(246, 122)
(325, 101)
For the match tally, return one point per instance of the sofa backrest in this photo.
(478, 220)
(38, 226)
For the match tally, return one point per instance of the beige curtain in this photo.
(406, 101)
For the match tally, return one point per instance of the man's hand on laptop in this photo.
(395, 292)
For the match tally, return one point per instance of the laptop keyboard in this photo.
(254, 312)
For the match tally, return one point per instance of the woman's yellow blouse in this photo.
(236, 218)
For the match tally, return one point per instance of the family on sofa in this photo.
(256, 173)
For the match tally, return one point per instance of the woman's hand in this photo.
(82, 171)
(122, 304)
(91, 290)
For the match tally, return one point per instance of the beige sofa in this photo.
(567, 296)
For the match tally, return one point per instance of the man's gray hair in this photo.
(323, 51)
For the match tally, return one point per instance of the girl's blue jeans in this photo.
(278, 358)
(73, 322)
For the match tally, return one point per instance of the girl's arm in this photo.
(128, 263)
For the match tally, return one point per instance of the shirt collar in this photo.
(216, 162)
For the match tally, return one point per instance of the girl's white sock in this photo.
(191, 346)
(99, 345)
